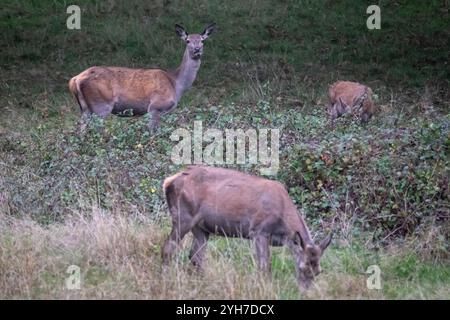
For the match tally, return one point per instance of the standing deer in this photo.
(350, 97)
(207, 200)
(106, 90)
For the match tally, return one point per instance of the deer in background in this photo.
(350, 97)
(116, 90)
(207, 200)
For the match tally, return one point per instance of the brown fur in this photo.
(169, 180)
(350, 97)
(208, 200)
(124, 91)
(126, 88)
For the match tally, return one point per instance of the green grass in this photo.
(119, 257)
(383, 187)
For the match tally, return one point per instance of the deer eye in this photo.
(188, 41)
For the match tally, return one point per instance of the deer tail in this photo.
(75, 89)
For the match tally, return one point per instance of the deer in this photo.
(208, 201)
(350, 97)
(135, 92)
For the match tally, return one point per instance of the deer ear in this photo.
(325, 242)
(181, 32)
(208, 31)
(298, 240)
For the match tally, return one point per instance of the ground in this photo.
(96, 202)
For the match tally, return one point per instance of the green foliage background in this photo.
(268, 66)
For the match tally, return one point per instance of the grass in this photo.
(96, 201)
(119, 257)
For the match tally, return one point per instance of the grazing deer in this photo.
(106, 90)
(350, 97)
(207, 200)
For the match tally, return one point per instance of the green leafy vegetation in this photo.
(96, 200)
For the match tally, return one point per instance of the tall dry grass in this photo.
(119, 258)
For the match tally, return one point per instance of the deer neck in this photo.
(186, 73)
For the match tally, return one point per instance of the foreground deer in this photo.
(105, 90)
(350, 97)
(208, 200)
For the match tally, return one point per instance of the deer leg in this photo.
(154, 122)
(172, 243)
(198, 247)
(157, 108)
(103, 109)
(263, 253)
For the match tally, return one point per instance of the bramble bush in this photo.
(390, 180)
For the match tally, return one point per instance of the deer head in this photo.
(194, 42)
(338, 108)
(308, 261)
